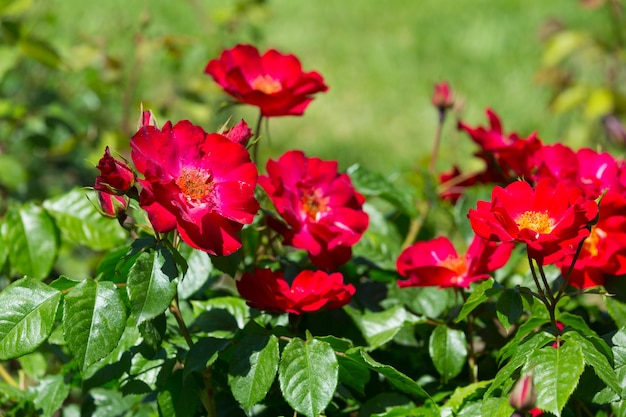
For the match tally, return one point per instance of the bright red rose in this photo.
(197, 183)
(115, 177)
(508, 156)
(437, 263)
(551, 219)
(604, 252)
(310, 291)
(323, 212)
(273, 82)
(587, 169)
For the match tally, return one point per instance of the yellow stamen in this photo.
(456, 264)
(194, 183)
(314, 203)
(266, 84)
(538, 222)
(592, 241)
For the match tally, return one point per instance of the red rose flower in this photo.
(587, 169)
(273, 82)
(436, 263)
(310, 291)
(508, 156)
(200, 184)
(115, 177)
(550, 219)
(323, 212)
(604, 252)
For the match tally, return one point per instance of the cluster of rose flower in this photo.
(201, 185)
(568, 207)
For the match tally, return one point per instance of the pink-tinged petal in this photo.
(235, 202)
(162, 220)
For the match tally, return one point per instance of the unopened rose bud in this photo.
(115, 177)
(146, 119)
(240, 133)
(112, 205)
(523, 397)
(442, 97)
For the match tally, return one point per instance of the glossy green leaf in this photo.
(94, 319)
(617, 310)
(460, 394)
(253, 368)
(31, 239)
(427, 301)
(179, 397)
(448, 350)
(151, 284)
(308, 375)
(479, 295)
(112, 403)
(381, 241)
(199, 267)
(379, 328)
(50, 393)
(26, 316)
(509, 308)
(395, 377)
(595, 358)
(80, 223)
(555, 373)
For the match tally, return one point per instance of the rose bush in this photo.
(306, 290)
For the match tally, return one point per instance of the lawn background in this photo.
(380, 60)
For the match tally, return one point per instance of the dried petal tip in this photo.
(523, 396)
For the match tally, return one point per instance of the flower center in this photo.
(592, 241)
(456, 264)
(313, 203)
(266, 84)
(195, 184)
(538, 222)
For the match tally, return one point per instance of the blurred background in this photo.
(73, 75)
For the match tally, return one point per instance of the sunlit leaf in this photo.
(379, 328)
(151, 284)
(50, 393)
(27, 313)
(80, 223)
(253, 368)
(448, 350)
(308, 375)
(94, 319)
(31, 239)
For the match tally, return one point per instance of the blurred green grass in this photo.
(380, 60)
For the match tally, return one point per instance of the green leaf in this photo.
(26, 317)
(353, 374)
(80, 223)
(617, 310)
(479, 295)
(31, 239)
(50, 393)
(519, 354)
(151, 284)
(179, 397)
(308, 374)
(396, 378)
(381, 241)
(94, 319)
(509, 308)
(375, 185)
(555, 373)
(40, 51)
(12, 172)
(460, 394)
(203, 353)
(199, 267)
(596, 359)
(448, 349)
(112, 403)
(428, 301)
(381, 327)
(253, 368)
